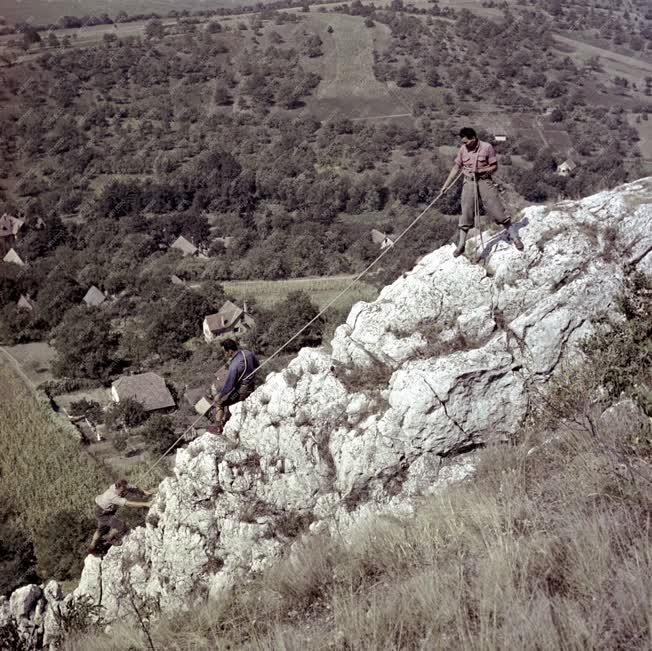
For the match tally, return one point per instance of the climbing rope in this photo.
(477, 221)
(315, 318)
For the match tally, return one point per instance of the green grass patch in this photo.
(320, 290)
(44, 480)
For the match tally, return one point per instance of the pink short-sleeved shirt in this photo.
(469, 161)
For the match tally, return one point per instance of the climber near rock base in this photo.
(477, 160)
(240, 381)
(110, 529)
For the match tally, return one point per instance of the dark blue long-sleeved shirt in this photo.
(240, 366)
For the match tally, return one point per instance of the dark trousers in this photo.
(240, 394)
(107, 520)
(493, 205)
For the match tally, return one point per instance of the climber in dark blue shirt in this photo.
(240, 381)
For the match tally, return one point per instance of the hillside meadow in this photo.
(45, 482)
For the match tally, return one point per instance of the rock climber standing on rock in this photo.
(477, 160)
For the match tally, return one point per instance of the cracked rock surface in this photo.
(442, 361)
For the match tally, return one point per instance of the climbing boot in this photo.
(461, 243)
(513, 236)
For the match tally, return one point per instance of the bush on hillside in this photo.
(60, 544)
(160, 433)
(17, 561)
(127, 412)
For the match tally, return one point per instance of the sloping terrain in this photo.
(446, 359)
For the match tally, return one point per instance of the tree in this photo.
(556, 115)
(160, 433)
(17, 561)
(85, 345)
(175, 320)
(154, 29)
(432, 77)
(554, 89)
(53, 41)
(89, 409)
(127, 413)
(312, 46)
(405, 76)
(289, 316)
(221, 95)
(60, 544)
(30, 37)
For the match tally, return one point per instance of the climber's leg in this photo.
(461, 241)
(467, 215)
(494, 207)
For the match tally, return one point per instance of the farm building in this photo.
(148, 389)
(381, 239)
(14, 258)
(176, 280)
(9, 227)
(183, 245)
(500, 137)
(230, 321)
(566, 168)
(24, 303)
(94, 297)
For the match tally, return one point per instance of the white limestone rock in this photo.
(463, 342)
(24, 601)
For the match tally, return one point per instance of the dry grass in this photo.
(548, 548)
(41, 470)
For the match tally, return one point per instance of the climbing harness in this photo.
(318, 315)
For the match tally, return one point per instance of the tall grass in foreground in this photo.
(547, 548)
(43, 477)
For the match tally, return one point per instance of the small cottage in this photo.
(566, 168)
(230, 321)
(94, 297)
(14, 258)
(381, 239)
(149, 389)
(183, 245)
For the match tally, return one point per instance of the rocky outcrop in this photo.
(32, 615)
(444, 360)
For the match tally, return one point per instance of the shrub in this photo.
(60, 544)
(127, 412)
(160, 433)
(87, 408)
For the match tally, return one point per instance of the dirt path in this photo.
(15, 365)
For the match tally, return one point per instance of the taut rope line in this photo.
(319, 314)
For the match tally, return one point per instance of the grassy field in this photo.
(348, 84)
(34, 359)
(42, 12)
(321, 290)
(42, 472)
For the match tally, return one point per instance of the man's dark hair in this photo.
(229, 344)
(121, 483)
(468, 132)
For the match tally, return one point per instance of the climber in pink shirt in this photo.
(477, 161)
